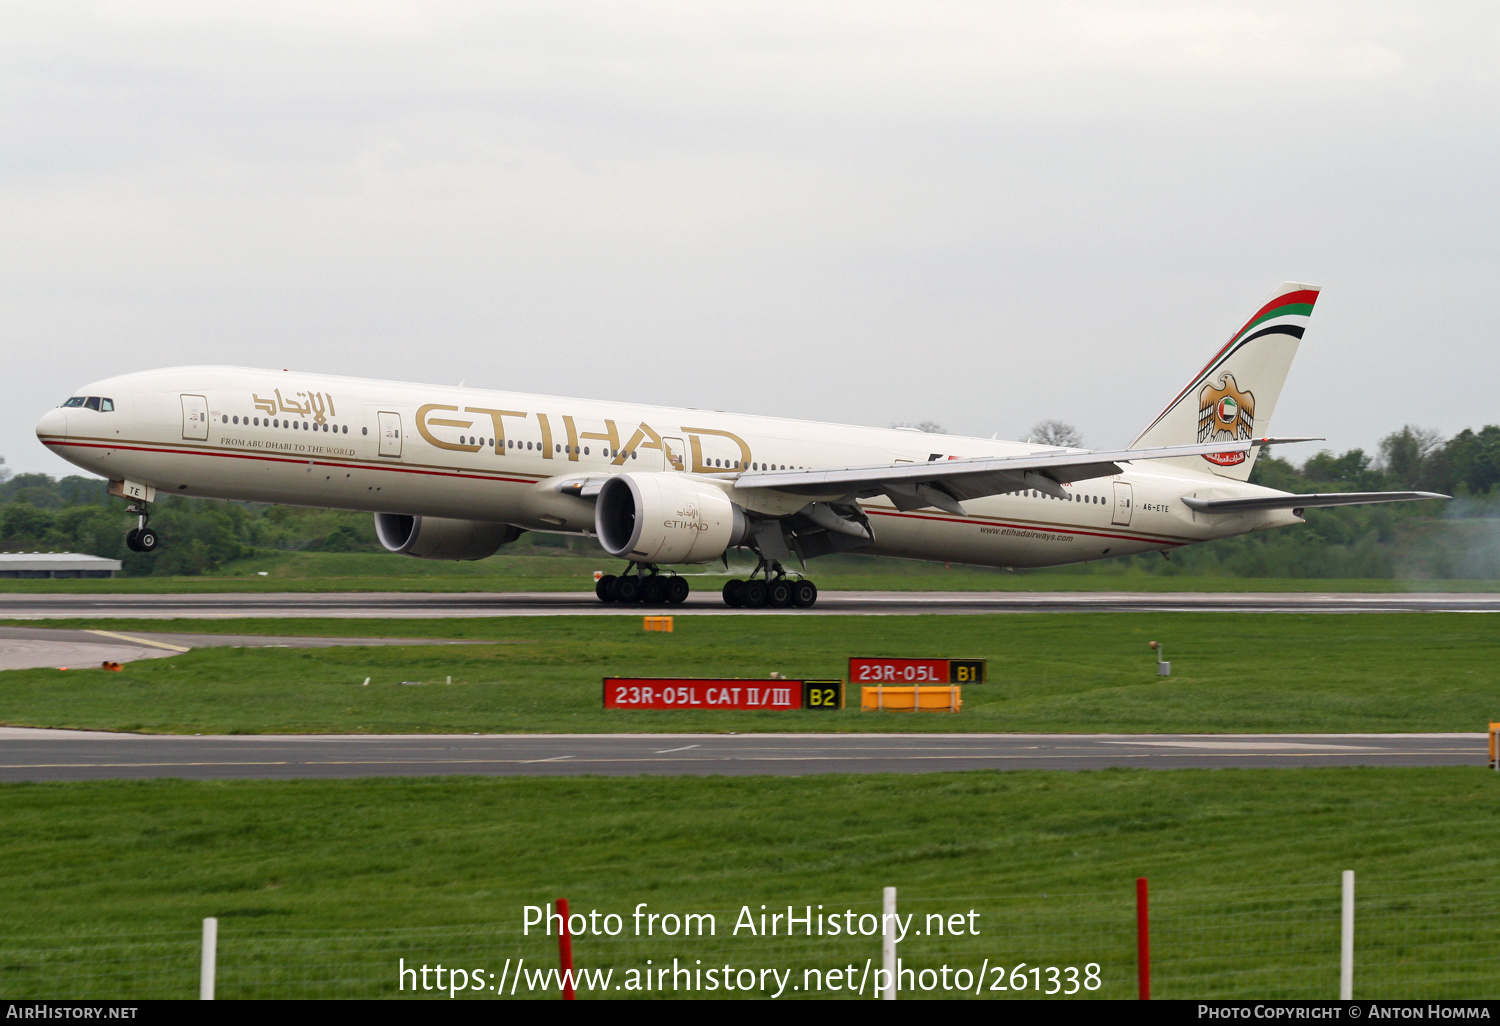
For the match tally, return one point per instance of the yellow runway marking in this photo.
(141, 641)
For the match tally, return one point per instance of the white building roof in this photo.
(55, 561)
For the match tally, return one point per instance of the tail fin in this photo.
(1234, 396)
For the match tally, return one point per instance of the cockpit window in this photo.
(92, 402)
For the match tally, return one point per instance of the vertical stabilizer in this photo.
(1233, 397)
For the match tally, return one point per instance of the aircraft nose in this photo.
(54, 423)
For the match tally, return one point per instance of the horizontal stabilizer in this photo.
(1257, 503)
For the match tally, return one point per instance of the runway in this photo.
(703, 601)
(29, 647)
(43, 755)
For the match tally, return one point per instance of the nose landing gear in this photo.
(776, 591)
(141, 538)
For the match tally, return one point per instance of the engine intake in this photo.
(666, 518)
(441, 538)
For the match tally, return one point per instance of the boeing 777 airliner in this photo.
(455, 473)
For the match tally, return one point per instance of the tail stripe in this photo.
(1294, 330)
(1290, 304)
(1298, 303)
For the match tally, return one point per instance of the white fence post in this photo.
(210, 959)
(888, 944)
(1346, 937)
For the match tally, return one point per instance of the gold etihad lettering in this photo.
(546, 436)
(497, 424)
(643, 437)
(700, 466)
(422, 422)
(317, 405)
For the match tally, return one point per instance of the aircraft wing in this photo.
(942, 484)
(1256, 503)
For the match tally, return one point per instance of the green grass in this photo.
(321, 886)
(565, 571)
(1048, 672)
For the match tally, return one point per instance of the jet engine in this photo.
(441, 538)
(666, 518)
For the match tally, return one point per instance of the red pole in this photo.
(1142, 939)
(565, 950)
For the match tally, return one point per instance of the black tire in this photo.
(146, 540)
(754, 595)
(605, 588)
(804, 594)
(653, 591)
(779, 594)
(130, 539)
(627, 589)
(677, 590)
(734, 593)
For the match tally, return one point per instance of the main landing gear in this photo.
(776, 591)
(644, 583)
(141, 538)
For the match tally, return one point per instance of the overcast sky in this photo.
(981, 214)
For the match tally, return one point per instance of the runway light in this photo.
(1163, 668)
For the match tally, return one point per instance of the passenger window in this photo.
(106, 406)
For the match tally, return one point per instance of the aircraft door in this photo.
(390, 433)
(195, 418)
(675, 453)
(1123, 503)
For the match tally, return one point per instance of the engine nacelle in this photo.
(666, 518)
(441, 538)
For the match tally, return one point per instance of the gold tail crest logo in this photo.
(1225, 413)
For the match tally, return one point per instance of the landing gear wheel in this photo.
(626, 589)
(605, 588)
(653, 591)
(754, 595)
(804, 594)
(779, 594)
(734, 594)
(677, 590)
(130, 539)
(142, 539)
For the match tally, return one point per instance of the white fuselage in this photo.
(467, 453)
